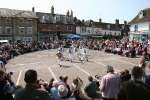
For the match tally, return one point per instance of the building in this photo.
(18, 25)
(98, 29)
(54, 26)
(140, 26)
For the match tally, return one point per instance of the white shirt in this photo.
(109, 86)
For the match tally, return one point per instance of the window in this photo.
(0, 30)
(8, 21)
(69, 28)
(136, 28)
(8, 30)
(21, 20)
(29, 30)
(43, 19)
(29, 21)
(141, 14)
(21, 30)
(58, 27)
(57, 18)
(108, 26)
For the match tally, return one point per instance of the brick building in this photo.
(54, 26)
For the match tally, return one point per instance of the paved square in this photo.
(46, 64)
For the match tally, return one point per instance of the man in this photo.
(135, 89)
(31, 91)
(72, 53)
(91, 88)
(110, 84)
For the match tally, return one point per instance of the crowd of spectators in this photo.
(112, 86)
(9, 51)
(134, 85)
(122, 47)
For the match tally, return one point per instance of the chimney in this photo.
(33, 9)
(117, 21)
(100, 20)
(52, 10)
(71, 13)
(125, 22)
(68, 13)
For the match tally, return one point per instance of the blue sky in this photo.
(107, 10)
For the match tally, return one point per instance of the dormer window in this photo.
(141, 14)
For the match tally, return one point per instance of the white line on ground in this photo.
(84, 71)
(87, 73)
(124, 61)
(54, 76)
(17, 83)
(29, 63)
(100, 63)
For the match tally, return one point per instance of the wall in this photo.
(141, 26)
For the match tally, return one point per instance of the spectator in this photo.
(54, 91)
(135, 89)
(91, 88)
(76, 88)
(63, 91)
(67, 85)
(31, 91)
(110, 84)
(125, 75)
(5, 94)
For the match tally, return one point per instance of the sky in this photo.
(107, 10)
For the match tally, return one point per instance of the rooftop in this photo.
(5, 12)
(143, 16)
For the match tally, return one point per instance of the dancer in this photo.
(60, 56)
(82, 54)
(72, 52)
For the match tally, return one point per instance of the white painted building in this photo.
(140, 26)
(100, 30)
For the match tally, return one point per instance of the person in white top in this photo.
(72, 53)
(110, 84)
(82, 54)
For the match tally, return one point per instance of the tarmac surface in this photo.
(46, 64)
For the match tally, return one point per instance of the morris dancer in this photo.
(82, 54)
(72, 52)
(60, 57)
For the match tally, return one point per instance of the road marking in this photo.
(84, 71)
(124, 61)
(100, 63)
(54, 76)
(87, 73)
(29, 63)
(17, 83)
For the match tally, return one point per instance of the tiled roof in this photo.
(5, 12)
(145, 18)
(107, 26)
